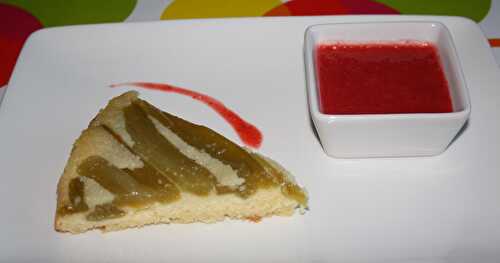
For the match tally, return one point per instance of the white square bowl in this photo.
(387, 135)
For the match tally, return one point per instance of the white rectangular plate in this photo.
(409, 209)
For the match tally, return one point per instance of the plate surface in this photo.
(429, 209)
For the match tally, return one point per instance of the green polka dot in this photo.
(475, 10)
(73, 12)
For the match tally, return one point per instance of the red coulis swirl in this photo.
(248, 133)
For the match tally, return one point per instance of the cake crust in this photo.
(98, 140)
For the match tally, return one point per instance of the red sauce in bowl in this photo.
(381, 78)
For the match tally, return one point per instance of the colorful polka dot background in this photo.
(19, 18)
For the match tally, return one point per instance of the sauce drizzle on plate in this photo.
(248, 133)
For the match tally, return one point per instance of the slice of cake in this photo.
(136, 165)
